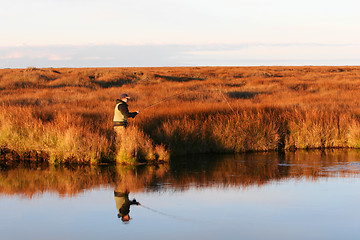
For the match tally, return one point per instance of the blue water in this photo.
(299, 207)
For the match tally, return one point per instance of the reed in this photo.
(65, 115)
(65, 138)
(134, 146)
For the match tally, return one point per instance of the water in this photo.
(303, 195)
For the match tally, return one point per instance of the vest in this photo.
(118, 116)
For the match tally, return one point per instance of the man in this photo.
(123, 205)
(122, 114)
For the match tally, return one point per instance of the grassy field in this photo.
(65, 115)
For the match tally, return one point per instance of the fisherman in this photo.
(122, 114)
(123, 205)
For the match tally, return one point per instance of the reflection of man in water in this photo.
(123, 205)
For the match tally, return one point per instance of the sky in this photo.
(156, 33)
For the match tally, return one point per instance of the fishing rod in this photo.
(163, 100)
(183, 93)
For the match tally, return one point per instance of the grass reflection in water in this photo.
(219, 171)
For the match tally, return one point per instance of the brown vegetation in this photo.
(66, 114)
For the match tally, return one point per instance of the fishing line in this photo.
(226, 101)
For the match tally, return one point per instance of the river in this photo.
(301, 195)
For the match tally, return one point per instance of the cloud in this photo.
(276, 54)
(13, 55)
(102, 55)
(58, 57)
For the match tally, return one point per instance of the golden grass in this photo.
(67, 113)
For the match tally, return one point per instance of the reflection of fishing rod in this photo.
(165, 214)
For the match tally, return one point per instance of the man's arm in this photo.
(125, 111)
(133, 202)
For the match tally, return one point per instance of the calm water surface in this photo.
(303, 195)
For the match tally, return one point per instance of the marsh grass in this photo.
(64, 138)
(67, 113)
(134, 146)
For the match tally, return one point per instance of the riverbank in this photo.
(65, 115)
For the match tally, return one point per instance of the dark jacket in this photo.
(123, 108)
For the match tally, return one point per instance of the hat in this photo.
(124, 95)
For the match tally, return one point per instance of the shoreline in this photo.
(37, 157)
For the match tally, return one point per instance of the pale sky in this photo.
(115, 33)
